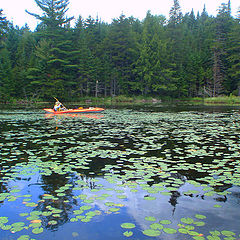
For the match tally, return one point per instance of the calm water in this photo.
(149, 174)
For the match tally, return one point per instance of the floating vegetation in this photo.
(151, 232)
(146, 173)
(128, 225)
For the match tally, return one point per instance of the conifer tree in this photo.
(55, 32)
(175, 14)
(223, 26)
(3, 26)
(233, 53)
(120, 47)
(5, 63)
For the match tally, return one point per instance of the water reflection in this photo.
(142, 165)
(56, 205)
(76, 115)
(62, 117)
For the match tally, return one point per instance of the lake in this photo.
(129, 173)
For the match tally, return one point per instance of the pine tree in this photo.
(82, 57)
(223, 26)
(176, 46)
(233, 53)
(6, 76)
(24, 56)
(175, 14)
(55, 31)
(3, 26)
(54, 13)
(120, 47)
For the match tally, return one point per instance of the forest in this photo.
(186, 55)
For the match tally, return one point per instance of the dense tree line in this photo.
(185, 56)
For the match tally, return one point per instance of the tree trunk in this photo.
(217, 72)
(96, 89)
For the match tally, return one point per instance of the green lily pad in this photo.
(198, 238)
(121, 196)
(128, 225)
(128, 233)
(114, 209)
(109, 204)
(193, 233)
(85, 207)
(149, 198)
(37, 230)
(86, 220)
(199, 216)
(3, 219)
(169, 230)
(156, 226)
(150, 219)
(227, 233)
(183, 230)
(199, 224)
(23, 214)
(73, 219)
(217, 206)
(151, 232)
(52, 222)
(165, 222)
(24, 237)
(187, 220)
(213, 238)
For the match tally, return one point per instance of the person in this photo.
(57, 106)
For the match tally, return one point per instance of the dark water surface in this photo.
(159, 173)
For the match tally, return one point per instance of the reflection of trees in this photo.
(3, 188)
(3, 184)
(173, 200)
(89, 181)
(60, 206)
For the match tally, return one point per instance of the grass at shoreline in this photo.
(135, 100)
(223, 100)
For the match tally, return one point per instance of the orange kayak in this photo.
(77, 110)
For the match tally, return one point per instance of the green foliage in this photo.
(187, 56)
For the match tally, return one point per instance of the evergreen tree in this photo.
(154, 68)
(233, 53)
(54, 12)
(5, 63)
(55, 32)
(120, 46)
(190, 55)
(223, 26)
(3, 26)
(176, 45)
(175, 14)
(24, 56)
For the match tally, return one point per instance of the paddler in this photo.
(57, 106)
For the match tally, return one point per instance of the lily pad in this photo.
(169, 230)
(151, 232)
(227, 233)
(156, 226)
(24, 237)
(199, 216)
(128, 225)
(152, 219)
(187, 220)
(37, 230)
(165, 222)
(114, 209)
(128, 233)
